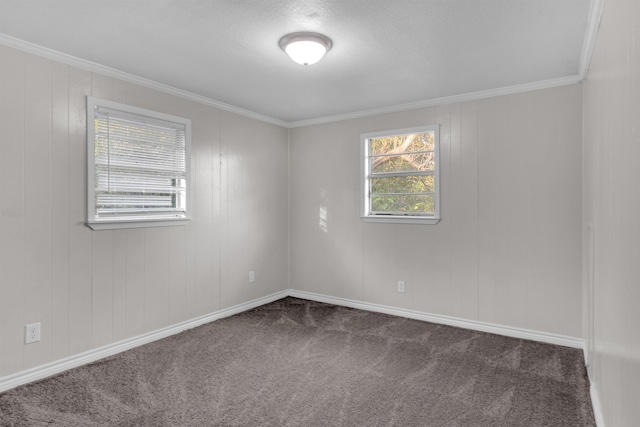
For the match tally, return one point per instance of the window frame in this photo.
(144, 219)
(365, 175)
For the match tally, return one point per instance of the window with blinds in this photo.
(138, 166)
(400, 179)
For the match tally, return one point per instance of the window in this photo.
(400, 176)
(138, 166)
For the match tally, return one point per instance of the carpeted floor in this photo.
(301, 363)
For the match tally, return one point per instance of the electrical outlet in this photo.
(32, 333)
(252, 276)
(401, 286)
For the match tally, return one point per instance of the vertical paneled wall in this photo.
(611, 206)
(507, 249)
(92, 288)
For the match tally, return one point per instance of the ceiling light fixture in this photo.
(305, 48)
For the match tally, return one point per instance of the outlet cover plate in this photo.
(32, 333)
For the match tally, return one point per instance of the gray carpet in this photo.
(301, 363)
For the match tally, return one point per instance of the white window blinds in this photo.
(139, 164)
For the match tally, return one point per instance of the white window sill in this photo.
(397, 219)
(135, 223)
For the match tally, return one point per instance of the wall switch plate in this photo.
(32, 333)
(252, 276)
(400, 285)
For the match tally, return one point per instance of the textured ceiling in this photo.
(385, 53)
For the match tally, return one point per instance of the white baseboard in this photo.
(447, 320)
(58, 366)
(595, 403)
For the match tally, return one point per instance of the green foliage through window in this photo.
(402, 174)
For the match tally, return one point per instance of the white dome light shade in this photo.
(305, 48)
(305, 52)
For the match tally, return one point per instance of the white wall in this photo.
(611, 208)
(92, 288)
(508, 249)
